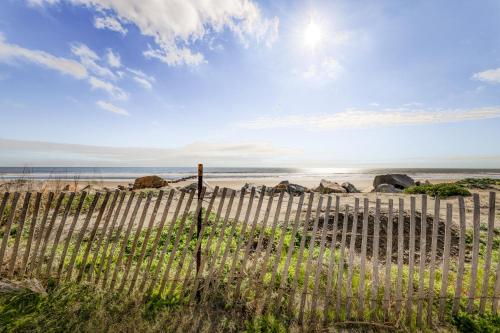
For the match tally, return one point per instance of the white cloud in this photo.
(17, 152)
(112, 108)
(143, 82)
(327, 69)
(12, 52)
(89, 59)
(176, 25)
(110, 23)
(491, 76)
(113, 59)
(110, 88)
(141, 78)
(371, 119)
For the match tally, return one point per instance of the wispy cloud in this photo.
(113, 59)
(176, 25)
(42, 153)
(112, 108)
(370, 119)
(111, 89)
(490, 76)
(89, 59)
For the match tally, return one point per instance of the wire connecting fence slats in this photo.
(318, 259)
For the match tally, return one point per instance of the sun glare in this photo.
(313, 35)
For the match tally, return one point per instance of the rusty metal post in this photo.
(198, 229)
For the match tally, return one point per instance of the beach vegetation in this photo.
(442, 190)
(478, 183)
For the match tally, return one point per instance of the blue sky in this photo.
(250, 83)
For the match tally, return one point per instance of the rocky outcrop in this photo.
(194, 186)
(327, 187)
(350, 188)
(149, 182)
(292, 189)
(387, 188)
(399, 181)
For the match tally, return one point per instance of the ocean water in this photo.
(129, 173)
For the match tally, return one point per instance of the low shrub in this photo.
(478, 183)
(471, 323)
(443, 190)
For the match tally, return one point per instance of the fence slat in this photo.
(331, 262)
(83, 195)
(149, 229)
(364, 236)
(298, 265)
(39, 234)
(81, 235)
(46, 239)
(108, 238)
(376, 240)
(5, 197)
(411, 263)
(157, 239)
(496, 292)
(350, 268)
(30, 234)
(446, 262)
(399, 279)
(92, 236)
(58, 233)
(423, 257)
(319, 265)
(19, 232)
(8, 226)
(432, 262)
(341, 264)
(475, 252)
(116, 240)
(171, 256)
(101, 235)
(310, 255)
(489, 249)
(135, 240)
(388, 261)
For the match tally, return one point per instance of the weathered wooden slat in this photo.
(340, 272)
(178, 236)
(19, 232)
(104, 255)
(461, 257)
(291, 247)
(411, 263)
(149, 229)
(46, 238)
(279, 249)
(100, 237)
(432, 260)
(331, 263)
(496, 292)
(375, 273)
(388, 261)
(156, 240)
(423, 257)
(364, 236)
(92, 236)
(58, 233)
(40, 232)
(446, 262)
(116, 240)
(249, 242)
(137, 235)
(81, 235)
(161, 259)
(350, 272)
(83, 195)
(310, 255)
(300, 255)
(5, 197)
(399, 279)
(475, 252)
(30, 234)
(489, 249)
(319, 265)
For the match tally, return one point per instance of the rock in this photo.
(194, 186)
(387, 188)
(149, 182)
(399, 181)
(292, 189)
(122, 188)
(66, 188)
(350, 188)
(32, 285)
(327, 187)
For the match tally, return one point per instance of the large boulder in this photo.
(327, 187)
(149, 182)
(387, 188)
(293, 189)
(399, 181)
(194, 186)
(350, 188)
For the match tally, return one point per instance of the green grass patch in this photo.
(443, 190)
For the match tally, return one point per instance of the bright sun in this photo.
(312, 35)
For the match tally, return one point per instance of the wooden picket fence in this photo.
(312, 257)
